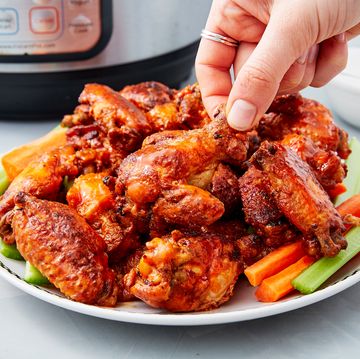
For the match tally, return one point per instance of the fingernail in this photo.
(313, 53)
(302, 59)
(341, 37)
(242, 115)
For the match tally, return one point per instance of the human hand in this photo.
(285, 46)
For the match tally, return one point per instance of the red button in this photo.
(44, 20)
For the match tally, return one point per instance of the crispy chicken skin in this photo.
(42, 178)
(57, 241)
(126, 126)
(293, 114)
(186, 273)
(300, 197)
(261, 210)
(94, 201)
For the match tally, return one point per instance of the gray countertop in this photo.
(35, 329)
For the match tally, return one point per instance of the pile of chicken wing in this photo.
(168, 205)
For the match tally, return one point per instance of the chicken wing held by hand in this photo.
(186, 273)
(57, 241)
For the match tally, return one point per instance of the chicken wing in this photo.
(125, 125)
(42, 178)
(300, 197)
(94, 201)
(326, 165)
(147, 95)
(261, 210)
(293, 114)
(57, 241)
(186, 273)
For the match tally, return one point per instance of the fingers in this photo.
(331, 60)
(258, 81)
(212, 66)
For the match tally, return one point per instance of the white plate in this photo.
(243, 305)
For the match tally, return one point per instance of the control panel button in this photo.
(8, 21)
(42, 2)
(80, 24)
(44, 20)
(79, 3)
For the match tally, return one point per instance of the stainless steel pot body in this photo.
(53, 30)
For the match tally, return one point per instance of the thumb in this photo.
(258, 81)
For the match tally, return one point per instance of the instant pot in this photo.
(50, 48)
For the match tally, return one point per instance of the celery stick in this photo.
(33, 275)
(312, 278)
(352, 180)
(67, 183)
(10, 251)
(4, 181)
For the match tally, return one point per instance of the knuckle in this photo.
(257, 75)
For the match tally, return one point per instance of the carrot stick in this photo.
(339, 189)
(277, 286)
(274, 262)
(350, 206)
(16, 160)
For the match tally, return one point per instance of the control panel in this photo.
(42, 28)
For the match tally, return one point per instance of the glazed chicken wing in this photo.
(300, 197)
(186, 273)
(42, 178)
(147, 95)
(57, 241)
(261, 210)
(125, 125)
(326, 165)
(168, 109)
(94, 201)
(293, 114)
(157, 102)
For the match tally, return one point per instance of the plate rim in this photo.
(179, 319)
